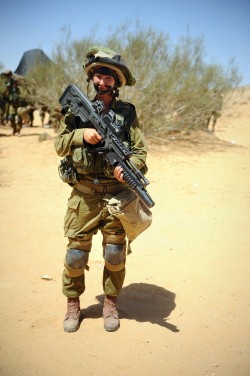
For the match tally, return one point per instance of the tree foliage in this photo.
(175, 88)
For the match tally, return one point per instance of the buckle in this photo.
(99, 189)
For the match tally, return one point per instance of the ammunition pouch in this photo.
(67, 171)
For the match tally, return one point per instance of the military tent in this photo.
(30, 59)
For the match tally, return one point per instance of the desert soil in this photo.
(185, 304)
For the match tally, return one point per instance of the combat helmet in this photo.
(99, 56)
(7, 73)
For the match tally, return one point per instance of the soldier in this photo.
(13, 98)
(2, 108)
(31, 110)
(216, 108)
(7, 80)
(87, 212)
(26, 114)
(42, 113)
(7, 75)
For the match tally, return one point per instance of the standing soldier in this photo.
(13, 95)
(2, 108)
(42, 113)
(87, 211)
(216, 109)
(26, 114)
(7, 79)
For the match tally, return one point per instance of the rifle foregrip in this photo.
(142, 193)
(129, 180)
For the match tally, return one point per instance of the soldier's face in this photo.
(103, 81)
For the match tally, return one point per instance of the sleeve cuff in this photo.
(78, 136)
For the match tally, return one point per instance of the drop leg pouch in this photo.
(134, 215)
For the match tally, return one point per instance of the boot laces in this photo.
(73, 306)
(110, 307)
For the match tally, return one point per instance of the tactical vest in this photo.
(89, 159)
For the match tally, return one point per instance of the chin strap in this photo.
(110, 90)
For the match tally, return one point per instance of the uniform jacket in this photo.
(69, 141)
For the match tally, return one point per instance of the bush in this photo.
(175, 90)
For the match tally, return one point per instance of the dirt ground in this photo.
(185, 305)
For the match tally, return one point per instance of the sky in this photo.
(224, 25)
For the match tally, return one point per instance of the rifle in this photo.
(116, 152)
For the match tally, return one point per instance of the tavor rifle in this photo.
(115, 151)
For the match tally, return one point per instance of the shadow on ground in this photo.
(141, 302)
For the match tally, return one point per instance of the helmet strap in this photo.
(116, 93)
(109, 90)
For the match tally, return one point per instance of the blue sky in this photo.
(224, 25)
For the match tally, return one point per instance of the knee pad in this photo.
(76, 262)
(114, 256)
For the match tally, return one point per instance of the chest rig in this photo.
(90, 159)
(123, 114)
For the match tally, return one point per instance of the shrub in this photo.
(175, 88)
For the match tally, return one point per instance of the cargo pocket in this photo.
(71, 217)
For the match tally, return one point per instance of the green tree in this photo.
(175, 87)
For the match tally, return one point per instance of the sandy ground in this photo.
(185, 305)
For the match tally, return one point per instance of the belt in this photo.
(91, 188)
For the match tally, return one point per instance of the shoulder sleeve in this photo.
(68, 135)
(138, 146)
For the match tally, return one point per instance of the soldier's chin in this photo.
(109, 90)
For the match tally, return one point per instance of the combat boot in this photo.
(110, 314)
(72, 318)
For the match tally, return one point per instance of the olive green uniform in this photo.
(13, 97)
(87, 212)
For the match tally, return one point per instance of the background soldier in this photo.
(216, 109)
(42, 113)
(27, 114)
(13, 99)
(6, 81)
